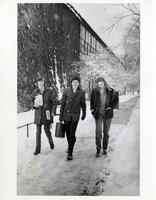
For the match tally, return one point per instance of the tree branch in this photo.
(129, 8)
(120, 18)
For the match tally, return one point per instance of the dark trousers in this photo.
(70, 127)
(38, 136)
(102, 125)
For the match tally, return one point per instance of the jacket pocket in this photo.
(109, 113)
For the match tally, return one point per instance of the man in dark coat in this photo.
(44, 102)
(102, 102)
(73, 100)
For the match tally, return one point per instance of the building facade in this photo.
(50, 38)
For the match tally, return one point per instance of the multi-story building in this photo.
(51, 36)
(90, 42)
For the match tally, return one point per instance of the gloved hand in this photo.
(83, 116)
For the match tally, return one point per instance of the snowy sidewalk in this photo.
(50, 174)
(124, 163)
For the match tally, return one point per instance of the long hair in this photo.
(101, 79)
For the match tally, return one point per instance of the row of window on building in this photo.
(88, 42)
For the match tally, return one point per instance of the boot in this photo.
(97, 153)
(52, 145)
(70, 156)
(36, 152)
(70, 153)
(104, 152)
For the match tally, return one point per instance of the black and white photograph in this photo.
(76, 127)
(78, 99)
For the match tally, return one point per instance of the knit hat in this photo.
(100, 79)
(75, 78)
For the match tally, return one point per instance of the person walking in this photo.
(73, 101)
(44, 102)
(102, 102)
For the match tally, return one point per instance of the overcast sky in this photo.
(99, 16)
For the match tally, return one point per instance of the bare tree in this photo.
(131, 12)
(131, 38)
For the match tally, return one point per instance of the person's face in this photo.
(40, 84)
(101, 85)
(75, 84)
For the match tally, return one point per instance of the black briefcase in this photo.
(116, 99)
(60, 130)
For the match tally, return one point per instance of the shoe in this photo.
(69, 157)
(52, 146)
(104, 152)
(36, 152)
(97, 155)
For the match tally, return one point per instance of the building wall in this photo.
(50, 38)
(48, 42)
(71, 41)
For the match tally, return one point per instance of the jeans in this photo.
(102, 125)
(38, 136)
(70, 127)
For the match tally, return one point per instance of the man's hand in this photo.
(52, 114)
(92, 110)
(60, 118)
(109, 108)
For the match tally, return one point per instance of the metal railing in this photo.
(27, 125)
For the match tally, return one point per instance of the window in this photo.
(91, 39)
(82, 45)
(88, 42)
(98, 46)
(87, 36)
(101, 47)
(82, 32)
(93, 44)
(86, 47)
(92, 50)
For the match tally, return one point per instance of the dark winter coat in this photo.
(49, 103)
(112, 101)
(71, 105)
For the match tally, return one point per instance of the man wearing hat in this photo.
(44, 102)
(102, 102)
(73, 100)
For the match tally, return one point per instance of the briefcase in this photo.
(116, 98)
(60, 130)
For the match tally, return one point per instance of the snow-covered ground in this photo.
(124, 163)
(50, 174)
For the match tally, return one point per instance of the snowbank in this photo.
(124, 164)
